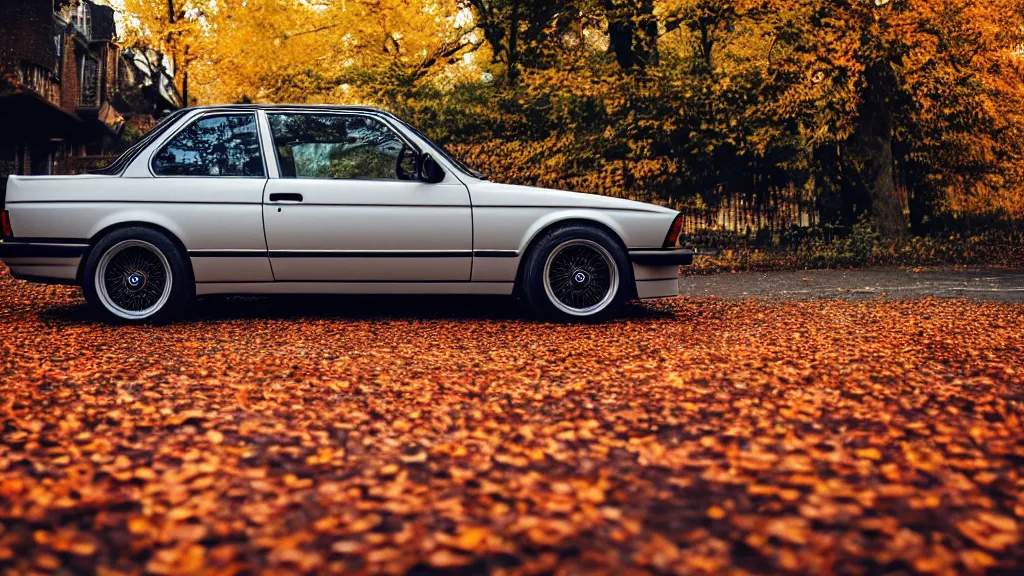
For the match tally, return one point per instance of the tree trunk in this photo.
(620, 38)
(184, 77)
(513, 43)
(633, 34)
(620, 34)
(647, 40)
(872, 157)
(706, 47)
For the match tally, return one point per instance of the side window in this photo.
(214, 146)
(338, 146)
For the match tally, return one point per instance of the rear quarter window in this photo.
(224, 145)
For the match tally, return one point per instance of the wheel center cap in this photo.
(134, 280)
(580, 278)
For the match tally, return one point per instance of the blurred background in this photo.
(792, 133)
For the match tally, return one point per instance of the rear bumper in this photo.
(51, 261)
(42, 248)
(667, 257)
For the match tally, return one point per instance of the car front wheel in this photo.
(137, 275)
(577, 272)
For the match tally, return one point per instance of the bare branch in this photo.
(288, 36)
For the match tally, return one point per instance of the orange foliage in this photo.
(693, 436)
(702, 99)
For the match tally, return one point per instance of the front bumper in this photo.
(656, 271)
(665, 257)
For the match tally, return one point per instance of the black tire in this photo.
(546, 274)
(140, 255)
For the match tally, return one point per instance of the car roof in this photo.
(331, 107)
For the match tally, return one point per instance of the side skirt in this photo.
(490, 288)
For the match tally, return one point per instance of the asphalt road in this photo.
(992, 285)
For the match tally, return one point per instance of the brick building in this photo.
(67, 90)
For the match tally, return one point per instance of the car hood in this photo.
(485, 193)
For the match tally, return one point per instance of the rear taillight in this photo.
(5, 224)
(673, 233)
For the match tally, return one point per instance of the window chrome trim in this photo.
(199, 116)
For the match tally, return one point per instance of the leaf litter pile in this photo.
(693, 436)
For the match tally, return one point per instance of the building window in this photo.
(89, 95)
(58, 66)
(82, 19)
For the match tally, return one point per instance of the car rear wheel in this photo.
(577, 272)
(137, 275)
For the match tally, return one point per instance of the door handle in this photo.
(285, 197)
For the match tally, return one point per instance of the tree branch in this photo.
(288, 36)
(444, 51)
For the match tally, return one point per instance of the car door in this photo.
(345, 205)
(206, 182)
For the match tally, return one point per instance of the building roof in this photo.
(27, 33)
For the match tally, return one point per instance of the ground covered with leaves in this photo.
(428, 435)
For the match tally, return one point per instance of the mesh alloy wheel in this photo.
(133, 279)
(580, 277)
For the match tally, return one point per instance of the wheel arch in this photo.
(539, 231)
(111, 228)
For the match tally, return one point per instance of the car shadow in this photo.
(392, 307)
(355, 307)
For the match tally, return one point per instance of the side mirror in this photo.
(430, 171)
(407, 166)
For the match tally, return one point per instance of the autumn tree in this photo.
(960, 142)
(295, 51)
(632, 32)
(884, 108)
(889, 73)
(174, 26)
(517, 30)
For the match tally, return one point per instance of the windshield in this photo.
(117, 166)
(445, 154)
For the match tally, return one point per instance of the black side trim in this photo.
(417, 206)
(669, 257)
(21, 249)
(370, 254)
(466, 282)
(495, 253)
(28, 240)
(228, 253)
(353, 254)
(210, 202)
(618, 208)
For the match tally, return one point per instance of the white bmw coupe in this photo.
(304, 199)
